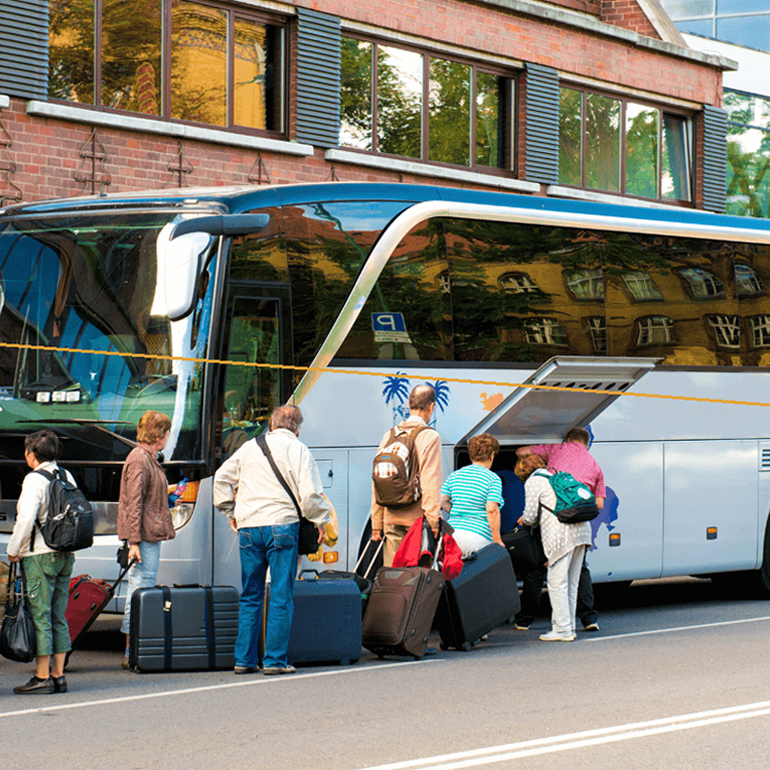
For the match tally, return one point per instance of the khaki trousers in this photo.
(394, 534)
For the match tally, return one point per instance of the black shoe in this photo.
(34, 686)
(59, 683)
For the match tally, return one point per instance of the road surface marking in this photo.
(569, 741)
(248, 682)
(677, 628)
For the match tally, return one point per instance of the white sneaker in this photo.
(557, 636)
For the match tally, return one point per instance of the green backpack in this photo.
(575, 502)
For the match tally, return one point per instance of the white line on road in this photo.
(597, 737)
(678, 628)
(247, 682)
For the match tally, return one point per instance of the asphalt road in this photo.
(677, 678)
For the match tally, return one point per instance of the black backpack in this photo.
(69, 525)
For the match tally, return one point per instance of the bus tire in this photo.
(762, 575)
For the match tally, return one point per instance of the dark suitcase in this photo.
(326, 627)
(400, 611)
(183, 628)
(365, 585)
(481, 598)
(87, 598)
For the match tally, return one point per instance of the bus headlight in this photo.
(182, 512)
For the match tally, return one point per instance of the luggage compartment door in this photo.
(563, 393)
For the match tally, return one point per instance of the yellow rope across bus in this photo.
(367, 373)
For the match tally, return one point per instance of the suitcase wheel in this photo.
(444, 646)
(465, 646)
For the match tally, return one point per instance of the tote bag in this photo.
(17, 634)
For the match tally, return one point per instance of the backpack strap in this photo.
(36, 525)
(543, 473)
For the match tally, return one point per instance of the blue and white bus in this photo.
(651, 326)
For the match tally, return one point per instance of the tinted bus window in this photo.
(407, 315)
(328, 244)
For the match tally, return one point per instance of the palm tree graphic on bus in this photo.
(396, 389)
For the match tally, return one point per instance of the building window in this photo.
(760, 331)
(747, 281)
(748, 147)
(517, 283)
(655, 330)
(617, 145)
(404, 102)
(727, 330)
(544, 331)
(218, 66)
(703, 284)
(641, 286)
(586, 284)
(597, 328)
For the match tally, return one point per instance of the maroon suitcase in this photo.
(87, 598)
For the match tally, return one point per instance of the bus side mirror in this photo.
(179, 267)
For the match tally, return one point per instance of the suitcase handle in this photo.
(302, 572)
(374, 558)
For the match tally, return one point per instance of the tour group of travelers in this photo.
(267, 525)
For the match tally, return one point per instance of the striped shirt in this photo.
(470, 489)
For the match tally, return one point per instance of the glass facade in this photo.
(743, 22)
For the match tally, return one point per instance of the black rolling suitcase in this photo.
(183, 628)
(326, 627)
(480, 599)
(401, 608)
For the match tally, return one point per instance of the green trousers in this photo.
(47, 576)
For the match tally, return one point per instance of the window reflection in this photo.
(71, 51)
(655, 330)
(570, 137)
(642, 150)
(727, 330)
(399, 102)
(703, 284)
(356, 94)
(602, 143)
(449, 115)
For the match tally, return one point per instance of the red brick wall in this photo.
(627, 14)
(47, 152)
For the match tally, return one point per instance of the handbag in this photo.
(17, 634)
(308, 532)
(526, 546)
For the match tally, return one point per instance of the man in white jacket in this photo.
(267, 524)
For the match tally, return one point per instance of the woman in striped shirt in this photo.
(472, 497)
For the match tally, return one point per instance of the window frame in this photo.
(647, 324)
(259, 16)
(624, 101)
(507, 108)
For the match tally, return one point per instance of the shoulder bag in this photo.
(17, 634)
(308, 532)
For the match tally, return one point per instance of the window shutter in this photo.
(714, 159)
(24, 49)
(318, 79)
(542, 134)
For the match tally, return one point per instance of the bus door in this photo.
(627, 535)
(257, 347)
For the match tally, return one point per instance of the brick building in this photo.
(593, 99)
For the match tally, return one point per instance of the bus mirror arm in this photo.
(231, 224)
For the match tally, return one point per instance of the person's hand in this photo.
(376, 535)
(321, 533)
(233, 525)
(499, 541)
(14, 558)
(520, 522)
(135, 553)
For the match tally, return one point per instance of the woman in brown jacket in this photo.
(144, 518)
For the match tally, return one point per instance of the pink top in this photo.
(573, 458)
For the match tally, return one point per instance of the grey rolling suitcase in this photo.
(183, 628)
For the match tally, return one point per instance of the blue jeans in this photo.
(144, 574)
(263, 547)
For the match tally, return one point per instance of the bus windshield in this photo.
(86, 343)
